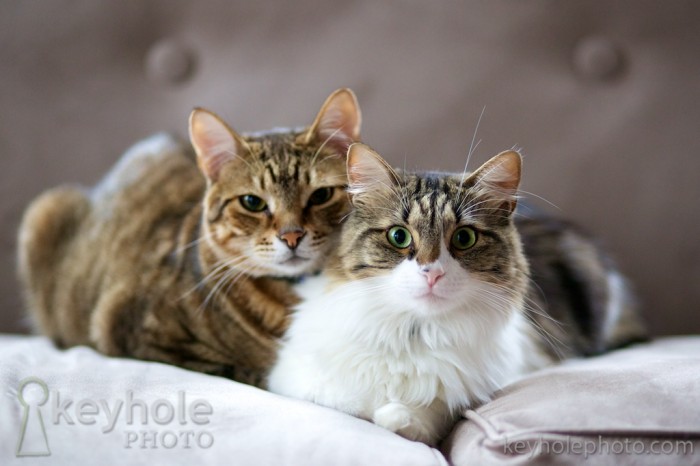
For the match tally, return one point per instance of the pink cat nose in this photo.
(292, 236)
(433, 273)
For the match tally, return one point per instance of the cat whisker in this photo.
(469, 203)
(201, 308)
(235, 279)
(519, 214)
(363, 290)
(397, 190)
(471, 209)
(323, 144)
(400, 196)
(386, 209)
(540, 198)
(230, 274)
(243, 159)
(366, 289)
(336, 177)
(472, 147)
(187, 246)
(477, 212)
(508, 291)
(530, 308)
(220, 265)
(553, 342)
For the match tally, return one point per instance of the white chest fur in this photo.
(357, 350)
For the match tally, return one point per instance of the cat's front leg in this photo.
(427, 424)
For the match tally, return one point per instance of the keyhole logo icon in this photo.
(32, 440)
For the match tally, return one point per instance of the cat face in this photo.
(434, 243)
(275, 200)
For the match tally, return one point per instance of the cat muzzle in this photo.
(432, 274)
(291, 236)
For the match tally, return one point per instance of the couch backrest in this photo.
(602, 97)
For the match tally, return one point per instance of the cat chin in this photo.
(427, 305)
(445, 303)
(415, 297)
(296, 267)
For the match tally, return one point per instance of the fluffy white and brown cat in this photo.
(428, 307)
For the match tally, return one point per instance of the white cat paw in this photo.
(393, 416)
(406, 422)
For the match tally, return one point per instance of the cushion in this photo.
(200, 419)
(639, 405)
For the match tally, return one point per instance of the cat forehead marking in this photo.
(431, 199)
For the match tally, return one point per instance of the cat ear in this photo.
(214, 142)
(337, 125)
(500, 178)
(368, 172)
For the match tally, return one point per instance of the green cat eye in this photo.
(253, 203)
(464, 238)
(320, 196)
(399, 237)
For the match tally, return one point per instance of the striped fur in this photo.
(408, 334)
(159, 262)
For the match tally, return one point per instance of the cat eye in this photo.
(464, 238)
(253, 203)
(320, 196)
(399, 237)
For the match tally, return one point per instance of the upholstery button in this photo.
(597, 58)
(169, 62)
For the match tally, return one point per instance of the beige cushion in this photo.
(246, 426)
(635, 406)
(635, 397)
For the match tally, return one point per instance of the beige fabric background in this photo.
(602, 96)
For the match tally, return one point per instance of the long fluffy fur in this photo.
(378, 338)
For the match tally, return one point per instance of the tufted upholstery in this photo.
(603, 98)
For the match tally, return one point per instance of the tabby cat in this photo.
(429, 305)
(185, 256)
